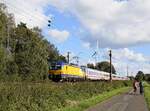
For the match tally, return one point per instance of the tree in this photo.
(61, 58)
(140, 76)
(2, 61)
(90, 66)
(32, 52)
(6, 22)
(3, 34)
(28, 51)
(105, 66)
(131, 77)
(147, 77)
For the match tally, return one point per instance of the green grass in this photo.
(50, 96)
(84, 104)
(147, 93)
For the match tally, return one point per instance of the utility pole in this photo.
(110, 55)
(78, 61)
(68, 57)
(127, 70)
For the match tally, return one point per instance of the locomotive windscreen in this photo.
(55, 66)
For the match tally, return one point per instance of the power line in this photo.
(22, 10)
(127, 70)
(24, 13)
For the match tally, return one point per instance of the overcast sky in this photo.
(77, 25)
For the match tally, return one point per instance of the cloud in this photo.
(114, 23)
(122, 58)
(28, 11)
(59, 36)
(128, 55)
(86, 45)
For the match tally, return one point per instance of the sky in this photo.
(79, 25)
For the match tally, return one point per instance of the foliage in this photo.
(102, 66)
(2, 61)
(147, 94)
(105, 66)
(147, 77)
(49, 96)
(140, 76)
(24, 52)
(91, 66)
(131, 77)
(30, 53)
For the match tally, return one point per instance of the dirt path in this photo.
(124, 102)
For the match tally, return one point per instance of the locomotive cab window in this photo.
(58, 67)
(55, 67)
(52, 67)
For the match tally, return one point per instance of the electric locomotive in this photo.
(60, 71)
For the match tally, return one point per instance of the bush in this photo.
(49, 96)
(146, 93)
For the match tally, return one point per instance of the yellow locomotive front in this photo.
(55, 70)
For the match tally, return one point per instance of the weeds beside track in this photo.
(50, 96)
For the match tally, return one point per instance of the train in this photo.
(60, 71)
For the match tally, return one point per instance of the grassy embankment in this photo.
(49, 96)
(147, 93)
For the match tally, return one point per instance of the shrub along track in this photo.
(147, 93)
(50, 96)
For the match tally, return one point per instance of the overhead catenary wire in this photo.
(24, 13)
(21, 9)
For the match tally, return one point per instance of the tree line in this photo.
(24, 52)
(140, 76)
(105, 66)
(102, 66)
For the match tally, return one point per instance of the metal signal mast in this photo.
(110, 55)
